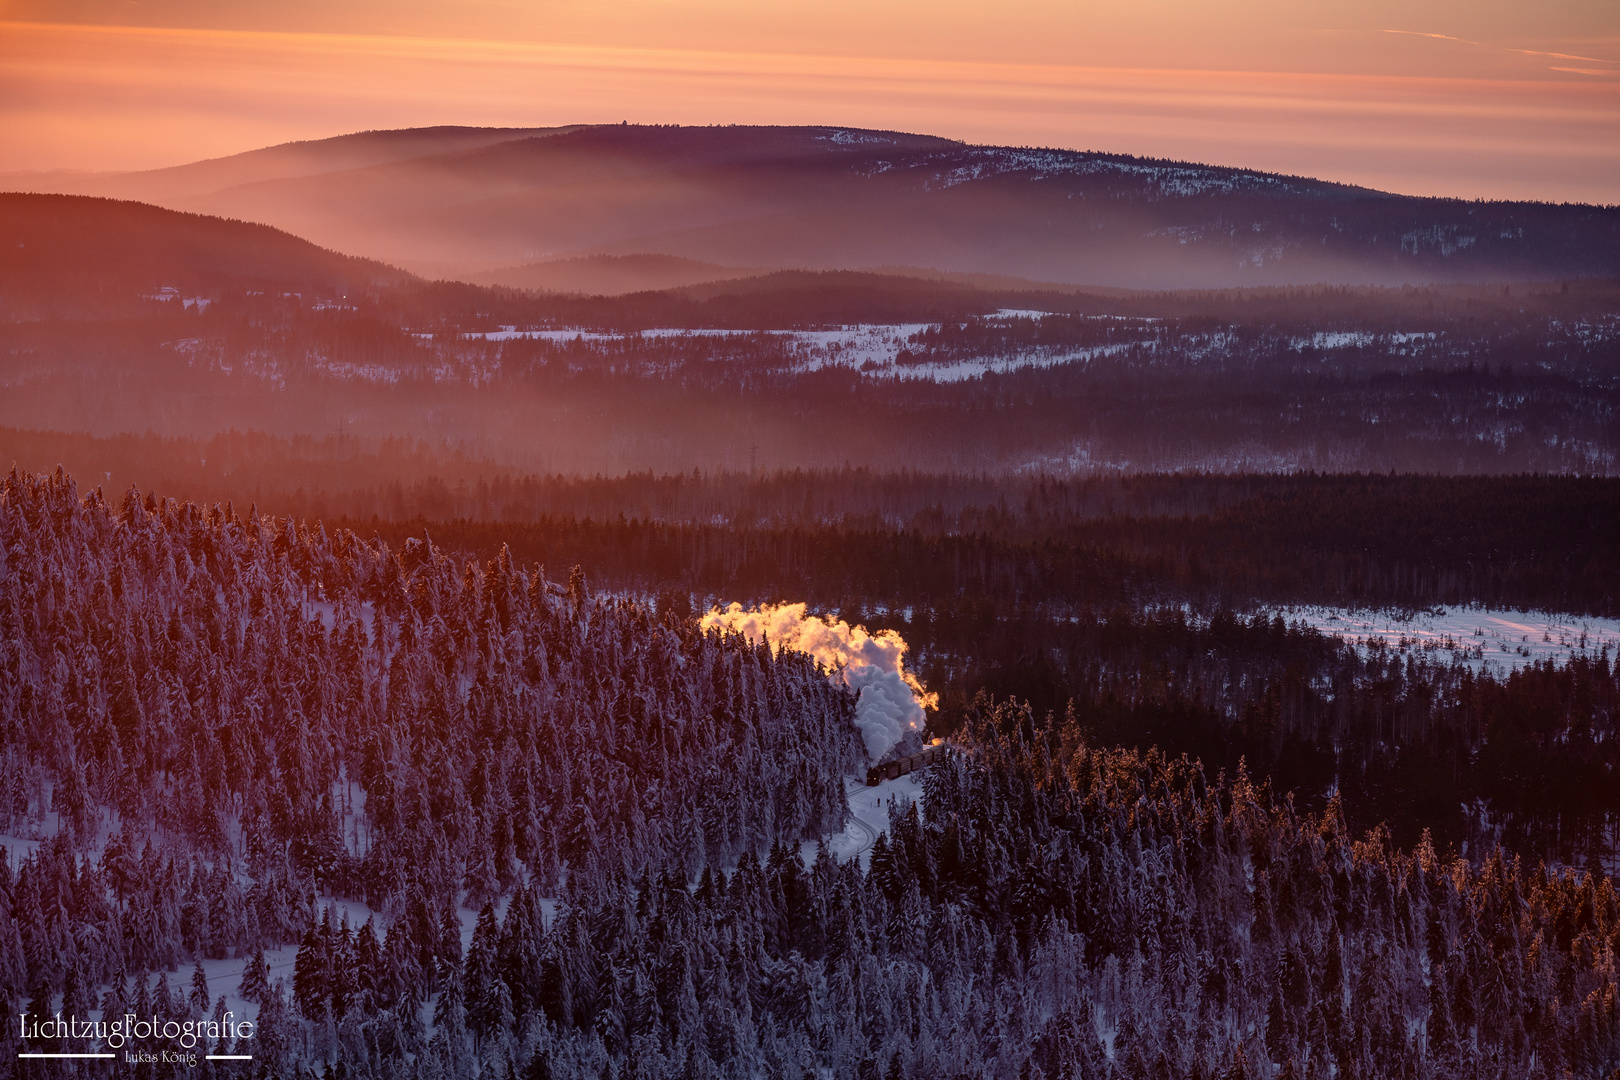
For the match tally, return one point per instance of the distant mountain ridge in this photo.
(305, 157)
(478, 203)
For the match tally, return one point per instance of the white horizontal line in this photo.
(66, 1055)
(228, 1057)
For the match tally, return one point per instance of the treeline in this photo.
(862, 538)
(1414, 542)
(281, 475)
(586, 407)
(1387, 340)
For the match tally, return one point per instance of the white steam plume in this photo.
(889, 699)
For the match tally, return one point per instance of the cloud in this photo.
(890, 700)
(1516, 51)
(1441, 37)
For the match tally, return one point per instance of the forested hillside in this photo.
(255, 712)
(216, 725)
(1058, 911)
(95, 259)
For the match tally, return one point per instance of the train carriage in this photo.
(891, 770)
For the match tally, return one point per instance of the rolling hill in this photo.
(460, 202)
(65, 256)
(309, 157)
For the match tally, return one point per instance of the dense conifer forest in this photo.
(1192, 842)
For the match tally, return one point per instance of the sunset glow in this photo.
(847, 538)
(1405, 111)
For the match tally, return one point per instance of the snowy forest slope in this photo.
(225, 720)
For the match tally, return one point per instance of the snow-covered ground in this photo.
(847, 346)
(1343, 339)
(867, 347)
(18, 848)
(982, 365)
(852, 346)
(1476, 637)
(225, 976)
(1168, 179)
(1021, 313)
(512, 333)
(868, 816)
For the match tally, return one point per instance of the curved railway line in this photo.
(854, 787)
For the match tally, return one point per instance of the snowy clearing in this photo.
(870, 348)
(974, 368)
(1479, 638)
(868, 816)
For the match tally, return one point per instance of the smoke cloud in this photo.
(889, 701)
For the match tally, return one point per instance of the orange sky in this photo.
(1478, 99)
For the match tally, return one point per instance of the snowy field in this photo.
(1478, 638)
(1346, 339)
(870, 348)
(982, 365)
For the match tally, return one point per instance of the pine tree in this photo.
(256, 978)
(449, 1012)
(341, 982)
(369, 974)
(115, 1000)
(309, 976)
(78, 996)
(479, 975)
(199, 1000)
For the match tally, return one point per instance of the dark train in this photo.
(889, 770)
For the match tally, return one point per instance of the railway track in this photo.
(851, 789)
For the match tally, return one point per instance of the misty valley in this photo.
(862, 606)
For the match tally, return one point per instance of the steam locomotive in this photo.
(889, 770)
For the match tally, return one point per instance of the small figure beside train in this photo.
(911, 763)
